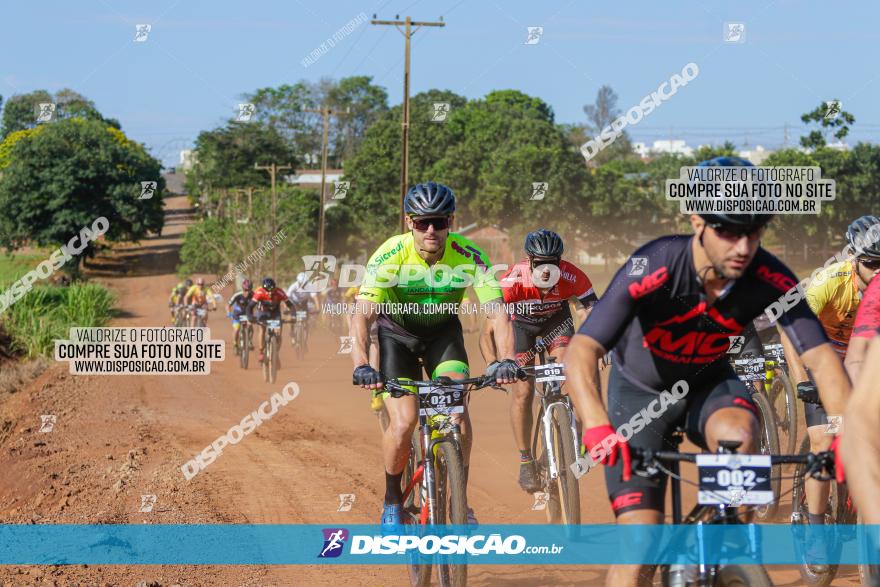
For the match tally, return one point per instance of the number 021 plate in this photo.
(442, 400)
(549, 372)
(734, 479)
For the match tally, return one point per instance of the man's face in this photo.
(729, 248)
(546, 272)
(429, 232)
(867, 268)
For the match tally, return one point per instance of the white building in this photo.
(187, 159)
(756, 155)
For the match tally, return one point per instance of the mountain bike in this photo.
(435, 486)
(181, 316)
(555, 441)
(299, 333)
(200, 316)
(727, 481)
(780, 392)
(750, 369)
(244, 340)
(271, 343)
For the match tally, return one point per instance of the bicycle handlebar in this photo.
(398, 387)
(816, 462)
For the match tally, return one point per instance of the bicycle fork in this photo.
(547, 420)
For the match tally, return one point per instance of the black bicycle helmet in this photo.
(744, 220)
(863, 235)
(268, 283)
(429, 199)
(188, 283)
(543, 243)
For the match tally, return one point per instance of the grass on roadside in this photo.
(48, 312)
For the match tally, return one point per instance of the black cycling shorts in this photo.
(556, 330)
(815, 414)
(690, 413)
(400, 350)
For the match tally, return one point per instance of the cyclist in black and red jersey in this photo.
(671, 324)
(267, 301)
(538, 289)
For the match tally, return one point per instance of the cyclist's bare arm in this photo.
(487, 342)
(582, 379)
(830, 377)
(795, 366)
(855, 356)
(366, 312)
(860, 445)
(502, 330)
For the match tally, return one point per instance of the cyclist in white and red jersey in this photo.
(538, 289)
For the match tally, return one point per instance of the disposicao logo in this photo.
(334, 540)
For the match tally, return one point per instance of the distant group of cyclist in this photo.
(671, 321)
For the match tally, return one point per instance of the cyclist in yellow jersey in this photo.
(427, 265)
(199, 295)
(177, 294)
(834, 295)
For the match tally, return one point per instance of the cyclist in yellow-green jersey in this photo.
(412, 287)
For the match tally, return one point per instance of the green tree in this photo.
(71, 172)
(824, 116)
(225, 158)
(21, 110)
(600, 115)
(365, 104)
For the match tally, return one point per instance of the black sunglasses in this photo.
(536, 262)
(871, 264)
(438, 222)
(730, 232)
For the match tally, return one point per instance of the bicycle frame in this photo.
(552, 399)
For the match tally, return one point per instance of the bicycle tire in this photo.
(769, 446)
(265, 362)
(567, 490)
(785, 403)
(799, 508)
(244, 351)
(542, 459)
(274, 361)
(869, 575)
(743, 576)
(451, 505)
(419, 574)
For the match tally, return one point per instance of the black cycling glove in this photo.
(506, 369)
(807, 392)
(366, 375)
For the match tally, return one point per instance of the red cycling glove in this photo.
(838, 462)
(606, 442)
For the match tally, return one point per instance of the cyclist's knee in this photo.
(819, 439)
(732, 424)
(522, 393)
(401, 429)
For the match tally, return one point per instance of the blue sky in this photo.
(201, 56)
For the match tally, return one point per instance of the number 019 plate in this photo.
(734, 479)
(549, 372)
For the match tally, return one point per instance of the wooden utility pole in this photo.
(273, 170)
(407, 32)
(326, 112)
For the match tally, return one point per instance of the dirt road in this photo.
(118, 438)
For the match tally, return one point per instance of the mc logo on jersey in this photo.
(334, 541)
(649, 283)
(697, 336)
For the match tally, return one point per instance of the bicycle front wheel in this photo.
(273, 358)
(244, 347)
(784, 402)
(769, 445)
(567, 492)
(451, 506)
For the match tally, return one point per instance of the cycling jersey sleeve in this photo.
(867, 322)
(817, 295)
(614, 311)
(582, 288)
(378, 277)
(485, 285)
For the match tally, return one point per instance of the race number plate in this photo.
(273, 324)
(300, 315)
(549, 372)
(774, 352)
(441, 400)
(243, 318)
(750, 369)
(734, 479)
(201, 312)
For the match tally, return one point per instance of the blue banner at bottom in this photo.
(271, 544)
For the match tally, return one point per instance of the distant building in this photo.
(756, 155)
(187, 159)
(676, 146)
(311, 178)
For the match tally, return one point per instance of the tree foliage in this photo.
(824, 116)
(68, 173)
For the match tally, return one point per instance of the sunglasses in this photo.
(870, 264)
(535, 262)
(730, 232)
(438, 222)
